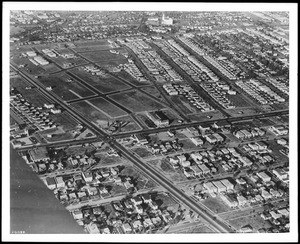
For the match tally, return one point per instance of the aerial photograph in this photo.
(149, 122)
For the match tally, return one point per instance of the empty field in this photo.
(91, 113)
(103, 85)
(107, 107)
(28, 66)
(64, 89)
(70, 62)
(98, 56)
(136, 101)
(97, 117)
(32, 95)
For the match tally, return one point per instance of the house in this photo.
(77, 214)
(220, 187)
(283, 211)
(55, 110)
(211, 138)
(48, 105)
(72, 196)
(141, 139)
(266, 195)
(229, 200)
(60, 182)
(210, 187)
(153, 205)
(146, 198)
(246, 229)
(246, 161)
(228, 184)
(241, 200)
(166, 217)
(147, 223)
(156, 221)
(188, 172)
(126, 228)
(204, 168)
(39, 154)
(196, 157)
(139, 209)
(204, 129)
(239, 134)
(137, 224)
(51, 183)
(92, 228)
(137, 200)
(280, 173)
(261, 145)
(263, 176)
(87, 176)
(105, 230)
(92, 191)
(185, 163)
(196, 170)
(127, 184)
(197, 141)
(275, 215)
(181, 158)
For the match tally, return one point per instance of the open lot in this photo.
(216, 204)
(168, 171)
(32, 95)
(256, 222)
(103, 85)
(64, 89)
(90, 112)
(70, 62)
(136, 101)
(28, 66)
(98, 56)
(107, 107)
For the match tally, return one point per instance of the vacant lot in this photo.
(31, 95)
(107, 107)
(216, 204)
(28, 66)
(256, 222)
(70, 62)
(65, 120)
(63, 88)
(142, 152)
(99, 56)
(136, 101)
(91, 113)
(103, 85)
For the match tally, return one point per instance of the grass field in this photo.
(31, 95)
(107, 107)
(98, 56)
(91, 113)
(65, 120)
(216, 204)
(103, 85)
(15, 30)
(72, 61)
(136, 101)
(168, 171)
(184, 106)
(142, 152)
(256, 222)
(97, 117)
(154, 92)
(64, 89)
(50, 68)
(28, 66)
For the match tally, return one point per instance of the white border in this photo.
(148, 6)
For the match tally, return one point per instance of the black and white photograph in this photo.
(160, 122)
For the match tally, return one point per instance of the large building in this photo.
(166, 20)
(158, 118)
(39, 154)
